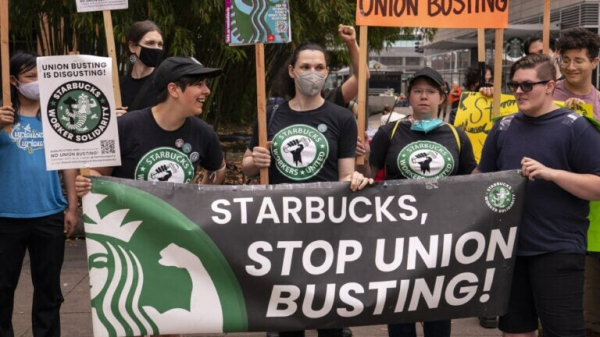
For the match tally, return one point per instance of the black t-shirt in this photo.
(151, 153)
(417, 155)
(307, 144)
(553, 220)
(335, 96)
(130, 87)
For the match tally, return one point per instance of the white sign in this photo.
(78, 112)
(100, 5)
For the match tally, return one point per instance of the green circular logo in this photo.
(500, 197)
(165, 164)
(299, 151)
(78, 111)
(425, 159)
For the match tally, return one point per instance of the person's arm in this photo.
(215, 177)
(582, 185)
(83, 185)
(256, 159)
(346, 173)
(7, 116)
(363, 149)
(71, 213)
(350, 86)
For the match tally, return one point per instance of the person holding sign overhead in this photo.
(145, 43)
(34, 215)
(392, 149)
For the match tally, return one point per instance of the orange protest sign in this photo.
(433, 13)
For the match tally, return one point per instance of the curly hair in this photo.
(472, 77)
(579, 38)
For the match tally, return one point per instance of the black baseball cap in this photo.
(176, 67)
(429, 73)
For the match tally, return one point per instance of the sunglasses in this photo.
(525, 86)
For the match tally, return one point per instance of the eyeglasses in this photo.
(577, 62)
(427, 92)
(525, 86)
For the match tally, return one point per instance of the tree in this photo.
(193, 28)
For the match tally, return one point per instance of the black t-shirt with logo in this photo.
(417, 155)
(307, 144)
(151, 153)
(130, 87)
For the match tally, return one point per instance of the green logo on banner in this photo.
(78, 111)
(500, 197)
(424, 159)
(299, 151)
(165, 164)
(144, 284)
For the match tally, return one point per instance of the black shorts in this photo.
(548, 287)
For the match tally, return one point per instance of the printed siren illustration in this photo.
(180, 283)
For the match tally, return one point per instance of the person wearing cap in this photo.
(452, 155)
(167, 142)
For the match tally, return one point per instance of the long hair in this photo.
(21, 61)
(285, 86)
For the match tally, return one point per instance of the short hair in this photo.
(182, 83)
(579, 38)
(538, 37)
(542, 64)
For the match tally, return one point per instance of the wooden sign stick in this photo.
(362, 87)
(499, 53)
(110, 44)
(481, 54)
(546, 28)
(5, 57)
(261, 103)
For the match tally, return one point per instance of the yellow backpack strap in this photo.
(395, 127)
(455, 135)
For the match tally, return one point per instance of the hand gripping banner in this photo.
(173, 258)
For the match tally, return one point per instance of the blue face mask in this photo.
(426, 125)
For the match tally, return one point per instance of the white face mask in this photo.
(30, 90)
(310, 83)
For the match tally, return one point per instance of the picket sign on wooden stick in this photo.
(362, 87)
(261, 104)
(5, 57)
(110, 44)
(546, 28)
(499, 53)
(481, 54)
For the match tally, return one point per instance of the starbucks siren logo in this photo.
(424, 159)
(165, 164)
(78, 111)
(500, 197)
(299, 151)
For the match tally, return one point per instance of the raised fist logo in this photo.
(295, 147)
(424, 159)
(162, 173)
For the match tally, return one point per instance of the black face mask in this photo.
(150, 56)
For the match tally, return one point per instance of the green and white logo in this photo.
(165, 164)
(78, 111)
(299, 151)
(500, 197)
(425, 159)
(142, 283)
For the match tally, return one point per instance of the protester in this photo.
(455, 93)
(145, 43)
(453, 155)
(557, 150)
(170, 129)
(534, 45)
(579, 57)
(330, 131)
(34, 215)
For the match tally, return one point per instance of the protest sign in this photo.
(5, 65)
(100, 5)
(174, 258)
(433, 13)
(261, 22)
(474, 116)
(78, 118)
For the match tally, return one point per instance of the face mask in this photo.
(150, 56)
(426, 125)
(310, 83)
(30, 90)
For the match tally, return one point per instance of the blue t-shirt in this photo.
(27, 190)
(553, 220)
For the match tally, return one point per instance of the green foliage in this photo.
(195, 28)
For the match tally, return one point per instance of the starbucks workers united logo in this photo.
(78, 111)
(299, 151)
(425, 159)
(165, 164)
(500, 197)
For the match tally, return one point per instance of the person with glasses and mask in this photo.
(557, 150)
(451, 155)
(145, 43)
(34, 215)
